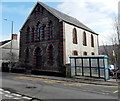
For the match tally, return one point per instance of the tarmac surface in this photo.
(94, 87)
(82, 79)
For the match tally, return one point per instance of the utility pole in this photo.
(10, 44)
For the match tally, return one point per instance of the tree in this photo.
(12, 57)
(113, 51)
(116, 42)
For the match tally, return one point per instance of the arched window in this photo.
(50, 54)
(32, 34)
(75, 53)
(28, 35)
(39, 31)
(50, 30)
(37, 11)
(84, 39)
(74, 36)
(27, 55)
(93, 53)
(92, 41)
(43, 32)
(41, 10)
(84, 53)
(38, 57)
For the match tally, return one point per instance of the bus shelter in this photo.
(91, 66)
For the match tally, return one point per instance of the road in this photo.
(16, 86)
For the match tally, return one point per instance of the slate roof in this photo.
(4, 42)
(64, 17)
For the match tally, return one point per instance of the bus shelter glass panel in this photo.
(106, 69)
(72, 60)
(94, 67)
(79, 66)
(106, 63)
(86, 67)
(101, 64)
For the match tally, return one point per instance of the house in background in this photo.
(6, 48)
(49, 37)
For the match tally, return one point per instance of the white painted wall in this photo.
(70, 47)
(5, 51)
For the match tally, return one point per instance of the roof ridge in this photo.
(4, 42)
(66, 17)
(62, 17)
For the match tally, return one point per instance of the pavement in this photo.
(80, 79)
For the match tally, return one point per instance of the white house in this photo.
(7, 47)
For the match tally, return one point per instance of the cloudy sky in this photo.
(98, 15)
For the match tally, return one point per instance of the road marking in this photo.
(8, 95)
(13, 95)
(1, 92)
(16, 98)
(106, 86)
(31, 78)
(106, 92)
(75, 84)
(1, 89)
(18, 95)
(26, 98)
(52, 81)
(115, 91)
(7, 92)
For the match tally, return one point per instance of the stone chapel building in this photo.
(49, 37)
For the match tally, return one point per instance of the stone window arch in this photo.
(43, 32)
(92, 41)
(92, 53)
(32, 34)
(41, 10)
(75, 52)
(50, 30)
(84, 53)
(84, 39)
(28, 34)
(39, 31)
(36, 32)
(75, 36)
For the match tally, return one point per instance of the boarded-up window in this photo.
(84, 39)
(74, 36)
(92, 41)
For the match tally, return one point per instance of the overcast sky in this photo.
(98, 15)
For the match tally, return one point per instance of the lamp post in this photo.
(11, 43)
